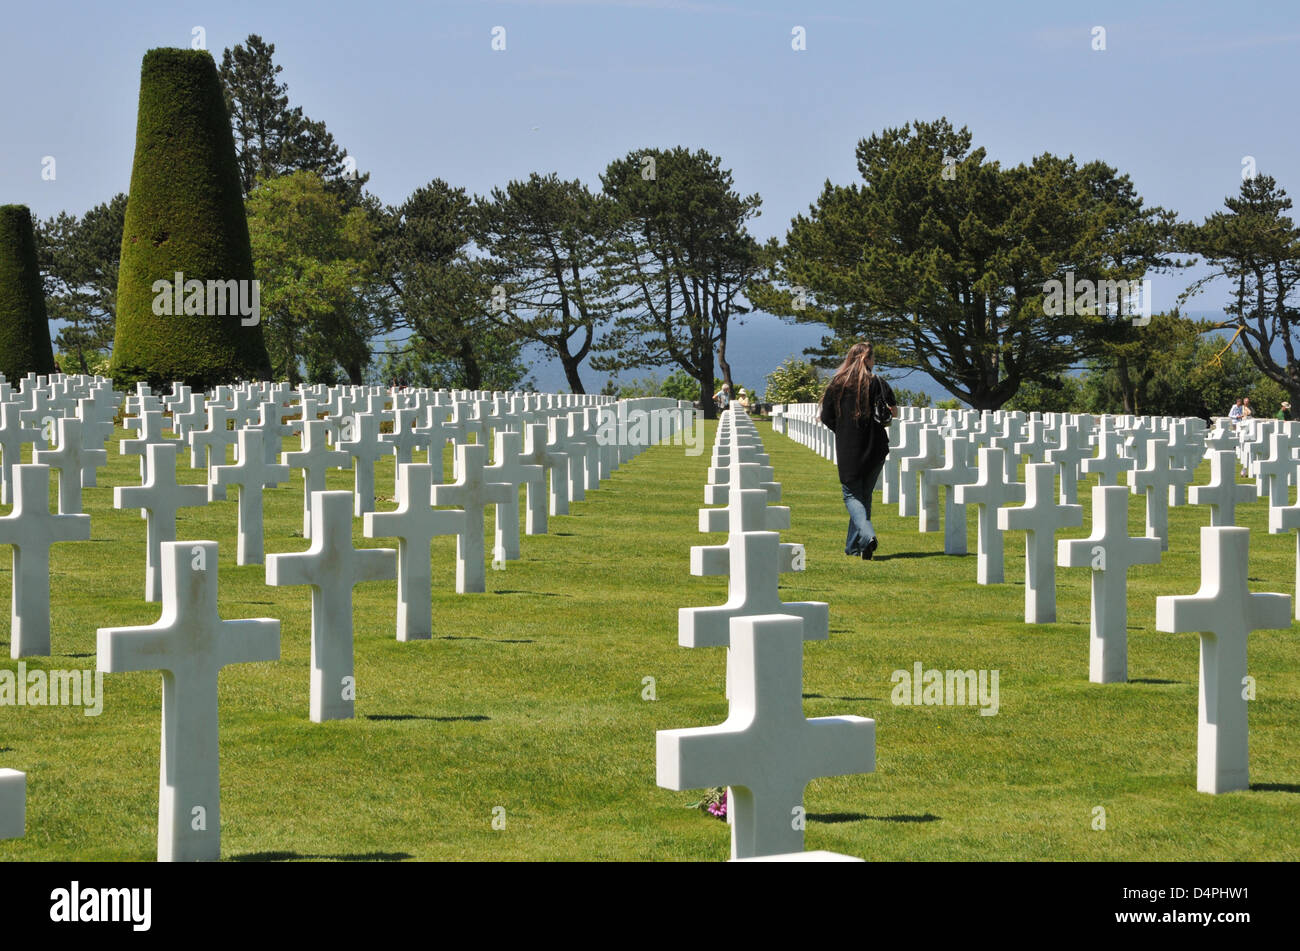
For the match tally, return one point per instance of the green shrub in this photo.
(184, 213)
(24, 327)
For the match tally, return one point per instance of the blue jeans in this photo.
(857, 499)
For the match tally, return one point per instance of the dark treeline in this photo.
(940, 255)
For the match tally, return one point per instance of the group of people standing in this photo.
(1242, 410)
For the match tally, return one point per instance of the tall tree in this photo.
(185, 214)
(24, 324)
(1255, 247)
(80, 257)
(441, 297)
(680, 259)
(544, 239)
(317, 261)
(272, 138)
(944, 258)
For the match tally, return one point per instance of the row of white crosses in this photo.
(1224, 611)
(766, 751)
(70, 417)
(190, 643)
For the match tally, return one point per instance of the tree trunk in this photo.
(726, 367)
(1126, 388)
(706, 397)
(571, 365)
(473, 372)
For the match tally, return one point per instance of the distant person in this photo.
(1234, 414)
(1284, 413)
(722, 398)
(1246, 411)
(861, 440)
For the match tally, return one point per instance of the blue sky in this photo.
(1181, 94)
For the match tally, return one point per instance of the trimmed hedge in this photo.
(24, 326)
(184, 213)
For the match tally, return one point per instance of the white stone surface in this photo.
(314, 458)
(990, 492)
(332, 567)
(31, 528)
(1109, 551)
(13, 804)
(189, 644)
(1040, 518)
(472, 493)
(1223, 493)
(415, 524)
(159, 498)
(1224, 612)
(766, 751)
(251, 474)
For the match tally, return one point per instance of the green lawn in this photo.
(530, 697)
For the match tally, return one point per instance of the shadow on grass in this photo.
(836, 817)
(818, 696)
(79, 655)
(1276, 787)
(535, 594)
(471, 717)
(346, 857)
(494, 640)
(913, 554)
(1149, 680)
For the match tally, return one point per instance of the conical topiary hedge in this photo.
(184, 214)
(24, 327)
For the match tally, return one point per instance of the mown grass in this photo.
(529, 697)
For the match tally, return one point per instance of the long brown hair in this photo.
(853, 376)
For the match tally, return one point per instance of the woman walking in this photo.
(861, 440)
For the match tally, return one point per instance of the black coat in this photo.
(860, 445)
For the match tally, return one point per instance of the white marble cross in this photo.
(754, 562)
(403, 441)
(913, 469)
(1069, 455)
(472, 493)
(414, 525)
(1224, 612)
(359, 438)
(149, 430)
(208, 446)
(555, 464)
(31, 528)
(95, 432)
(13, 435)
(71, 460)
(989, 493)
(1110, 460)
(159, 497)
(1109, 551)
(957, 470)
(332, 567)
(904, 440)
(271, 424)
(1275, 470)
(251, 474)
(190, 645)
(1040, 518)
(1282, 519)
(507, 469)
(766, 751)
(313, 459)
(1223, 493)
(1153, 479)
